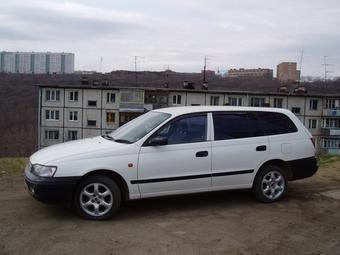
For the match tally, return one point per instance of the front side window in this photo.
(191, 129)
(139, 127)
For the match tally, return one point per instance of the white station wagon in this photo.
(176, 151)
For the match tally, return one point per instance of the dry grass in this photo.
(12, 166)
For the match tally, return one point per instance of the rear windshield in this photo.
(234, 125)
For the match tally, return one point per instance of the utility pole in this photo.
(301, 58)
(204, 69)
(136, 62)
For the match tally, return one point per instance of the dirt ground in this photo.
(307, 221)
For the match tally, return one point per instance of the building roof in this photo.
(170, 81)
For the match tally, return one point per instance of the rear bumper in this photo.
(51, 189)
(303, 168)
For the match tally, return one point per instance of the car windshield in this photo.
(136, 129)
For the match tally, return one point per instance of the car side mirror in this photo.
(158, 140)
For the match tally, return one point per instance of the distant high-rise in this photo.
(36, 62)
(287, 72)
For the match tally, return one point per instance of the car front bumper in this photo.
(51, 189)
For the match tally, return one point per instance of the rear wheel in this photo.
(270, 184)
(97, 198)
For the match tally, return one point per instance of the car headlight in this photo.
(43, 171)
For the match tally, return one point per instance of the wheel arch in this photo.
(277, 162)
(115, 177)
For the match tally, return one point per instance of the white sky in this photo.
(232, 34)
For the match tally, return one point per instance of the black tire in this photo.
(97, 199)
(264, 181)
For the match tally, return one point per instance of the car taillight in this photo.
(313, 141)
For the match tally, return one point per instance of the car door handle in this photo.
(201, 154)
(261, 148)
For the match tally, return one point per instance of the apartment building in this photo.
(263, 73)
(70, 112)
(287, 72)
(36, 62)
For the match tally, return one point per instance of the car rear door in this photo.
(181, 166)
(238, 149)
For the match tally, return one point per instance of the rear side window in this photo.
(235, 125)
(274, 123)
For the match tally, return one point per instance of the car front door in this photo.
(182, 165)
(238, 148)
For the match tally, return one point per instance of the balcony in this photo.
(331, 131)
(331, 112)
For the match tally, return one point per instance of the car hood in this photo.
(85, 147)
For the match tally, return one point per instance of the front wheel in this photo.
(97, 198)
(270, 184)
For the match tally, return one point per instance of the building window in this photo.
(331, 123)
(91, 103)
(51, 134)
(52, 114)
(110, 117)
(214, 100)
(330, 104)
(313, 104)
(110, 98)
(235, 101)
(73, 116)
(52, 95)
(312, 123)
(72, 135)
(331, 143)
(73, 96)
(177, 99)
(257, 101)
(296, 110)
(278, 102)
(91, 123)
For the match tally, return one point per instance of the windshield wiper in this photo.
(122, 141)
(108, 137)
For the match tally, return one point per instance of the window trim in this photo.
(73, 92)
(255, 115)
(69, 116)
(146, 142)
(55, 114)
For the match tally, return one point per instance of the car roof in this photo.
(175, 111)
